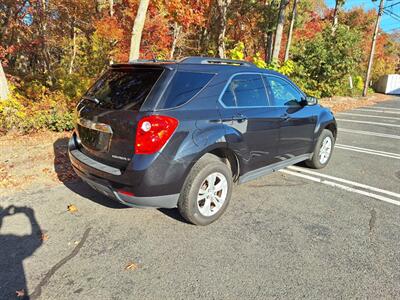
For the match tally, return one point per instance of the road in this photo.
(298, 233)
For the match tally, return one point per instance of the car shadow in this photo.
(67, 176)
(173, 213)
(14, 249)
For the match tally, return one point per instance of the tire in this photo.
(201, 212)
(317, 162)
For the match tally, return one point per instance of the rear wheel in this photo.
(206, 192)
(322, 151)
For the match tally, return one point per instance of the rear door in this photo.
(298, 120)
(108, 113)
(253, 124)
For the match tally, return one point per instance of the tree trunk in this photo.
(335, 21)
(269, 46)
(74, 50)
(268, 33)
(3, 84)
(222, 9)
(138, 29)
(289, 38)
(279, 29)
(111, 4)
(177, 31)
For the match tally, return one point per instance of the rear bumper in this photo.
(166, 201)
(90, 171)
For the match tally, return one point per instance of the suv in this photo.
(179, 134)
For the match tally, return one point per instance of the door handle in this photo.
(239, 118)
(285, 116)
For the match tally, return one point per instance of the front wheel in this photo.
(322, 151)
(206, 192)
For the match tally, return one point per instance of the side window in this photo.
(228, 98)
(246, 90)
(284, 94)
(183, 87)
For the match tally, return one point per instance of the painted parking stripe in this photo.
(390, 136)
(368, 151)
(343, 187)
(384, 107)
(378, 111)
(368, 122)
(368, 116)
(342, 180)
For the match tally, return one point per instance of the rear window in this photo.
(126, 88)
(183, 87)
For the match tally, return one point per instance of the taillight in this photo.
(153, 132)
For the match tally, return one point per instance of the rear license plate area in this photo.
(94, 139)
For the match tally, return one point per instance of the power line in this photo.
(392, 5)
(391, 14)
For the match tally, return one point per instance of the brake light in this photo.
(153, 132)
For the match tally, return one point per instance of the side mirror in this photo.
(311, 100)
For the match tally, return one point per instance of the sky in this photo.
(389, 23)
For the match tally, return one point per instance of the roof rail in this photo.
(150, 61)
(213, 60)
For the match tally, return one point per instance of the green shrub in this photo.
(53, 111)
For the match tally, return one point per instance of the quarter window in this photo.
(183, 87)
(284, 94)
(245, 90)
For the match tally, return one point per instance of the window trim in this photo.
(157, 108)
(229, 82)
(286, 80)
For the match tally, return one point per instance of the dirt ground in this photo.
(40, 160)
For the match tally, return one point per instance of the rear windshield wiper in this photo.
(93, 99)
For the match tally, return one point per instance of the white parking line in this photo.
(368, 122)
(343, 187)
(378, 110)
(390, 136)
(368, 151)
(368, 116)
(353, 183)
(383, 107)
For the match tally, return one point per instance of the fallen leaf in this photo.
(44, 237)
(72, 208)
(132, 266)
(20, 293)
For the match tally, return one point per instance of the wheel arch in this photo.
(332, 127)
(226, 155)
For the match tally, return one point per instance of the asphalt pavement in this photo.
(298, 233)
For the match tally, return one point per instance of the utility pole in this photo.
(289, 39)
(371, 55)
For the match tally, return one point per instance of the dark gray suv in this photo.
(179, 134)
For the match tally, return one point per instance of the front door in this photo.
(252, 125)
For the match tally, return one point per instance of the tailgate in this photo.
(108, 114)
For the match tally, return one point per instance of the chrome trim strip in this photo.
(95, 125)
